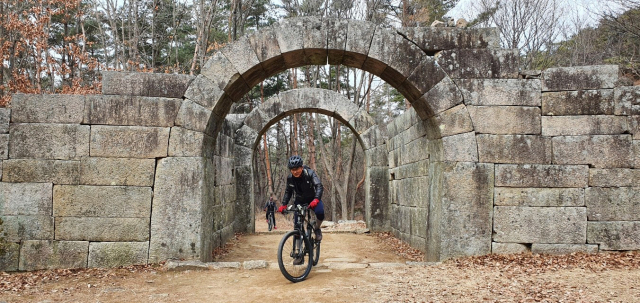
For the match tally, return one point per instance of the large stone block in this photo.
(582, 102)
(25, 199)
(131, 110)
(129, 141)
(244, 59)
(101, 201)
(580, 77)
(627, 100)
(289, 33)
(444, 95)
(265, 45)
(460, 211)
(221, 72)
(634, 126)
(4, 146)
(540, 224)
(145, 84)
(616, 177)
(461, 148)
(584, 125)
(536, 175)
(193, 116)
(10, 260)
(563, 249)
(48, 141)
(377, 193)
(636, 151)
(422, 72)
(613, 204)
(359, 37)
(102, 229)
(414, 151)
(117, 171)
(416, 169)
(599, 151)
(515, 149)
(314, 40)
(336, 39)
(505, 120)
(115, 254)
(36, 255)
(41, 171)
(431, 39)
(508, 248)
(454, 121)
(188, 143)
(38, 108)
(376, 156)
(19, 228)
(5, 117)
(618, 235)
(473, 63)
(177, 212)
(538, 197)
(496, 92)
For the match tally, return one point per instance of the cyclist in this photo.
(270, 208)
(308, 188)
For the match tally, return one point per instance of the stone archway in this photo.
(330, 103)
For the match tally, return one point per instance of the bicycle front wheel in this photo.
(294, 259)
(270, 222)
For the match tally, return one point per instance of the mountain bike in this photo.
(271, 220)
(299, 250)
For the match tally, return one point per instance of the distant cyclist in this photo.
(270, 208)
(305, 183)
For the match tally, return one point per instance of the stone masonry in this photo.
(485, 161)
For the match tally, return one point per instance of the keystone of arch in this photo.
(233, 70)
(317, 100)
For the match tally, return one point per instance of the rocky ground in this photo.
(353, 268)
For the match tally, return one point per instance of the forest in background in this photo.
(61, 46)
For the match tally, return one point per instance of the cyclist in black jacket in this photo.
(270, 208)
(305, 183)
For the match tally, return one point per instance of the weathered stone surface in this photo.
(359, 37)
(454, 121)
(580, 77)
(561, 249)
(441, 97)
(9, 261)
(416, 169)
(541, 197)
(102, 229)
(221, 72)
(35, 255)
(473, 63)
(616, 177)
(432, 39)
(39, 170)
(540, 224)
(19, 228)
(177, 209)
(414, 151)
(461, 148)
(515, 149)
(131, 110)
(627, 100)
(265, 45)
(634, 126)
(460, 210)
(373, 137)
(377, 156)
(115, 254)
(536, 175)
(47, 108)
(188, 143)
(289, 33)
(600, 151)
(336, 39)
(129, 141)
(636, 151)
(5, 117)
(255, 264)
(620, 235)
(25, 199)
(496, 92)
(4, 146)
(101, 201)
(145, 84)
(505, 120)
(422, 73)
(508, 248)
(361, 122)
(613, 204)
(413, 192)
(193, 116)
(244, 59)
(377, 194)
(583, 125)
(225, 170)
(582, 102)
(314, 40)
(246, 136)
(204, 92)
(117, 171)
(48, 141)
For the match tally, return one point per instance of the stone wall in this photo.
(80, 175)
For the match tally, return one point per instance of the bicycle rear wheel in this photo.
(293, 256)
(270, 222)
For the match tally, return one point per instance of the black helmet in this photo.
(295, 161)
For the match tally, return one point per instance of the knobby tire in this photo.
(287, 255)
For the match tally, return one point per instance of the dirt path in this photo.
(516, 278)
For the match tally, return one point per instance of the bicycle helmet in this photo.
(295, 161)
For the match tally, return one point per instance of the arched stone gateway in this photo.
(485, 160)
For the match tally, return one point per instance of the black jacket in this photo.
(307, 187)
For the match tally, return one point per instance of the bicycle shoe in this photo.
(298, 261)
(318, 233)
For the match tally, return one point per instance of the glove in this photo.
(314, 203)
(282, 208)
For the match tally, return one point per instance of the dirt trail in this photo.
(520, 278)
